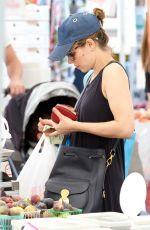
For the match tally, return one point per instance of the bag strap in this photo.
(112, 154)
(108, 163)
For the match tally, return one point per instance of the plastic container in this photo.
(31, 215)
(64, 214)
(5, 221)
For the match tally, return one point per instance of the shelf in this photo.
(4, 153)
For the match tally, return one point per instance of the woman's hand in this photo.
(65, 125)
(41, 126)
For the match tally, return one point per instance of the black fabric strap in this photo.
(115, 145)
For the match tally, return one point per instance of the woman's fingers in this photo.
(53, 124)
(40, 126)
(42, 123)
(56, 111)
(45, 121)
(50, 128)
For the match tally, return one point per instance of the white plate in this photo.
(133, 194)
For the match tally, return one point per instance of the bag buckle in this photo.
(110, 158)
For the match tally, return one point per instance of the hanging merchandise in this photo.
(57, 15)
(56, 9)
(59, 10)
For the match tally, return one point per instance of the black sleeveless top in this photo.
(94, 107)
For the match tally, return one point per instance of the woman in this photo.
(105, 111)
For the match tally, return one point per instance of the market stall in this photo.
(21, 210)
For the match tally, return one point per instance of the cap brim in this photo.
(60, 52)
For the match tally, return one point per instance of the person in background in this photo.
(145, 57)
(78, 80)
(13, 68)
(105, 109)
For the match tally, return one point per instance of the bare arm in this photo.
(14, 69)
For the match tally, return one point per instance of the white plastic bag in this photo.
(4, 130)
(37, 169)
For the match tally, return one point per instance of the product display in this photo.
(16, 208)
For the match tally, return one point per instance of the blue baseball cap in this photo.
(76, 27)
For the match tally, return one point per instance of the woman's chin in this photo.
(82, 69)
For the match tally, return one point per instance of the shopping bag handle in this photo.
(38, 146)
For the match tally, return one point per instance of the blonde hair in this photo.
(145, 55)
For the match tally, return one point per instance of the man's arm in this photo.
(14, 70)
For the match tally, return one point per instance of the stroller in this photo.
(23, 112)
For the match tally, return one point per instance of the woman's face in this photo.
(82, 57)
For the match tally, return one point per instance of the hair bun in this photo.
(99, 13)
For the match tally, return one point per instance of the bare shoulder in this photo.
(114, 80)
(114, 71)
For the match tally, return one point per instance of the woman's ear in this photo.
(91, 43)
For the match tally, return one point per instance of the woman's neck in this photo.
(101, 61)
